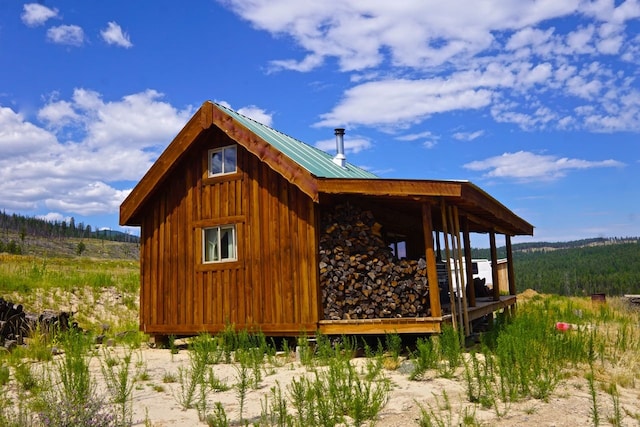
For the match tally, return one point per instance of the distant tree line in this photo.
(30, 226)
(584, 267)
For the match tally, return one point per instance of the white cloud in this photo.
(400, 102)
(91, 199)
(428, 139)
(113, 34)
(54, 217)
(18, 137)
(409, 59)
(58, 113)
(579, 41)
(71, 35)
(307, 64)
(353, 144)
(468, 136)
(527, 166)
(416, 33)
(416, 136)
(253, 112)
(91, 147)
(528, 37)
(35, 14)
(257, 114)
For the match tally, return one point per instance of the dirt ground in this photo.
(155, 400)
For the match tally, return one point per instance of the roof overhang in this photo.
(207, 116)
(484, 212)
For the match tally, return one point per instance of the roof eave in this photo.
(133, 203)
(276, 160)
(206, 116)
(458, 192)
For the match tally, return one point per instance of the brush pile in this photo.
(16, 324)
(359, 276)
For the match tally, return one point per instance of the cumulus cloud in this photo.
(18, 137)
(354, 144)
(86, 147)
(410, 60)
(71, 35)
(113, 34)
(257, 114)
(35, 14)
(416, 33)
(401, 102)
(528, 166)
(54, 217)
(253, 112)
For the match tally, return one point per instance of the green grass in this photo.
(75, 284)
(521, 358)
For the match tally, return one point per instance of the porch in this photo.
(416, 325)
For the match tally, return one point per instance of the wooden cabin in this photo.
(240, 224)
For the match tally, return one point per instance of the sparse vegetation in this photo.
(517, 367)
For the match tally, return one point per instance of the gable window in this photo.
(219, 244)
(222, 160)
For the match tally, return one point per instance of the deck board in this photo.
(426, 325)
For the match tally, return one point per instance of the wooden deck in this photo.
(416, 325)
(487, 305)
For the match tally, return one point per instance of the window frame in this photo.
(234, 244)
(221, 150)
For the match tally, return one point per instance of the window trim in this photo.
(210, 153)
(219, 228)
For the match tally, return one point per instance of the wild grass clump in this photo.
(68, 395)
(525, 358)
(5, 374)
(442, 414)
(443, 353)
(336, 393)
(120, 376)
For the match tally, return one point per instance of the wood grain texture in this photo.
(272, 284)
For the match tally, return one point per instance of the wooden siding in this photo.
(273, 284)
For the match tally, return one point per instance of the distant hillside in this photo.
(69, 247)
(581, 267)
(584, 243)
(554, 246)
(37, 227)
(34, 236)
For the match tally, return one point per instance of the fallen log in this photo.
(16, 324)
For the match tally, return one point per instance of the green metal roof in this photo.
(316, 161)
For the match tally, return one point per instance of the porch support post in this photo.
(510, 274)
(467, 261)
(430, 257)
(494, 266)
(460, 277)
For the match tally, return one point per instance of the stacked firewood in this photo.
(359, 276)
(16, 324)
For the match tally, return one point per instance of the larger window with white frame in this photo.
(223, 160)
(219, 244)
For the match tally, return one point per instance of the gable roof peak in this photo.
(317, 162)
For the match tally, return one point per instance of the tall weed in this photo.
(119, 377)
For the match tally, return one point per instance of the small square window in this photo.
(219, 244)
(222, 160)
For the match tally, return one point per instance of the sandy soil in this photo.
(570, 405)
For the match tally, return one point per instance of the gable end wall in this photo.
(272, 286)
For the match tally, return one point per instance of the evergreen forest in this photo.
(609, 266)
(12, 225)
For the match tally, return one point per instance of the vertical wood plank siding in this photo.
(273, 285)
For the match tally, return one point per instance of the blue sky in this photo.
(536, 102)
